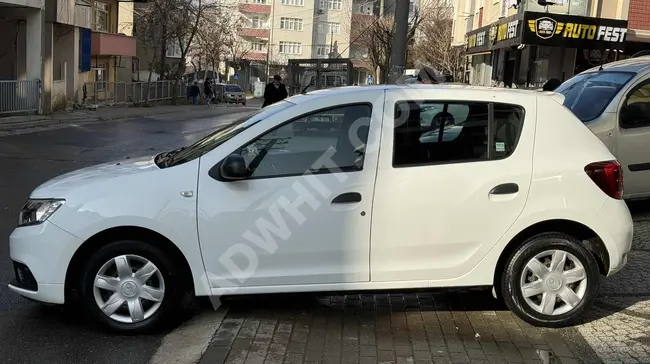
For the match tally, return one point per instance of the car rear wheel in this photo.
(131, 286)
(552, 280)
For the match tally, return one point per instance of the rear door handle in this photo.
(350, 197)
(505, 189)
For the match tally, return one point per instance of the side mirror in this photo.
(232, 168)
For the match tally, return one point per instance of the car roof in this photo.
(342, 91)
(636, 65)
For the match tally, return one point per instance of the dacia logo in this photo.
(545, 28)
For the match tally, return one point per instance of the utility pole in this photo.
(398, 49)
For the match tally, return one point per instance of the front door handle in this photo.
(350, 197)
(505, 189)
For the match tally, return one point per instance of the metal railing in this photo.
(124, 93)
(19, 96)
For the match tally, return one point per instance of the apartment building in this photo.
(279, 30)
(523, 43)
(61, 45)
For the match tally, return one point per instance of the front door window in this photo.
(305, 145)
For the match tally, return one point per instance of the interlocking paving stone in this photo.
(439, 327)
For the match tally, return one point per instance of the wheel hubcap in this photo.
(553, 282)
(129, 288)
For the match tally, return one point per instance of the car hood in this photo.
(61, 185)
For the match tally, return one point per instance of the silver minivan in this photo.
(613, 100)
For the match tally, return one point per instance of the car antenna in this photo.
(602, 60)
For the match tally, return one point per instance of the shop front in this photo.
(527, 49)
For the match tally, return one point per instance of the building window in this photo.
(328, 28)
(257, 46)
(101, 76)
(291, 23)
(257, 22)
(135, 65)
(290, 48)
(330, 4)
(174, 50)
(293, 2)
(259, 1)
(363, 9)
(101, 16)
(322, 50)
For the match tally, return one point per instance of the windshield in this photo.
(587, 95)
(233, 88)
(226, 132)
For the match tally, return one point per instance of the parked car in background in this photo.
(614, 102)
(521, 197)
(234, 94)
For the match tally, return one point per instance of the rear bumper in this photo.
(615, 227)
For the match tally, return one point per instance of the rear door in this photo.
(634, 138)
(444, 195)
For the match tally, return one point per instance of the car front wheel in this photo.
(131, 286)
(552, 280)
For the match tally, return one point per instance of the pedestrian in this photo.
(551, 84)
(195, 91)
(207, 90)
(275, 91)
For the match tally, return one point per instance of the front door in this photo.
(633, 139)
(303, 217)
(443, 200)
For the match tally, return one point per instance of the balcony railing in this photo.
(104, 44)
(254, 8)
(254, 32)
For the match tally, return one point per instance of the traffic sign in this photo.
(235, 76)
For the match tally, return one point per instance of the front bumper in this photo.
(41, 255)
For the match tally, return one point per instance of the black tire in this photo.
(174, 293)
(510, 280)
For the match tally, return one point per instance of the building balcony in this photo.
(255, 8)
(254, 33)
(104, 44)
(35, 4)
(255, 56)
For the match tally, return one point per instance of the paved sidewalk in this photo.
(462, 327)
(32, 123)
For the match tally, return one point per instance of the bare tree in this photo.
(375, 36)
(214, 40)
(434, 42)
(174, 23)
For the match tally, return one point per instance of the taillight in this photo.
(608, 176)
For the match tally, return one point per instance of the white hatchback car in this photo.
(520, 196)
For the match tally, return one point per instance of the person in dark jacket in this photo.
(275, 91)
(207, 90)
(194, 92)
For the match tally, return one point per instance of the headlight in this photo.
(35, 212)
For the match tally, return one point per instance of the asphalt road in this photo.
(31, 332)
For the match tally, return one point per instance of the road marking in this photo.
(186, 344)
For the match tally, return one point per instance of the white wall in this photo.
(39, 4)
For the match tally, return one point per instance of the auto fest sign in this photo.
(547, 29)
(502, 33)
(573, 31)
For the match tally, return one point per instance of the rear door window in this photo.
(587, 95)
